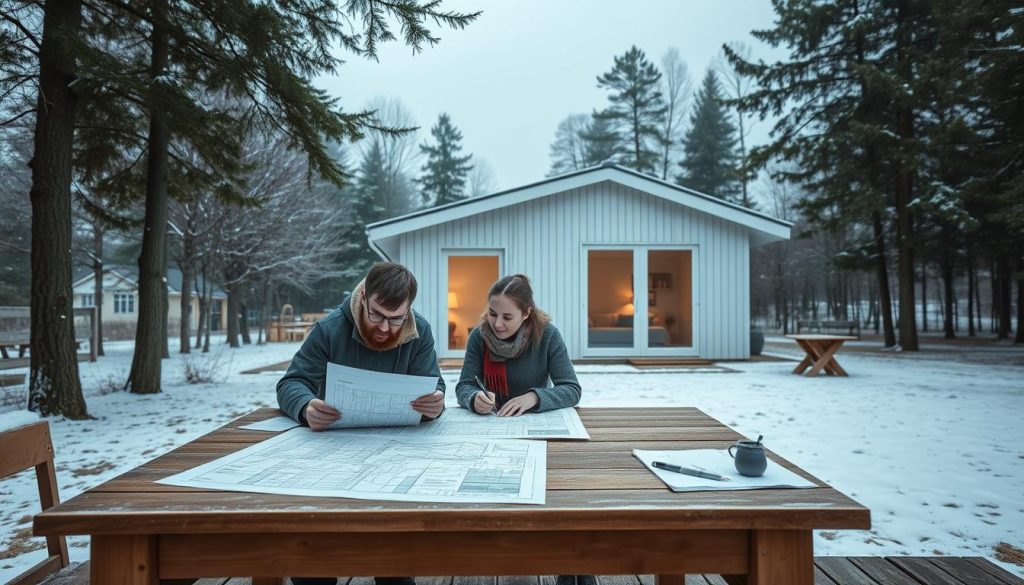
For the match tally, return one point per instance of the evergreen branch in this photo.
(29, 35)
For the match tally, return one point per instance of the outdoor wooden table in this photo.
(605, 514)
(820, 353)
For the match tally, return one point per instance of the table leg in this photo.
(780, 557)
(669, 579)
(266, 580)
(124, 560)
(824, 357)
(809, 356)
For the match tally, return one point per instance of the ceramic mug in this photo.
(750, 458)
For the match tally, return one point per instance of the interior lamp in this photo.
(453, 301)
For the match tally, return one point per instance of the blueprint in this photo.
(563, 423)
(374, 399)
(366, 466)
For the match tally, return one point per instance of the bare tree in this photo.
(291, 236)
(569, 150)
(736, 87)
(678, 87)
(481, 178)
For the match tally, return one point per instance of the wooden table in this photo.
(820, 353)
(605, 514)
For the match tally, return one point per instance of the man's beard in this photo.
(388, 343)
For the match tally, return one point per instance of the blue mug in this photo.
(750, 458)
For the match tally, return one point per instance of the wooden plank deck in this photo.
(827, 571)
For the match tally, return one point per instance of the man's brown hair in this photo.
(392, 283)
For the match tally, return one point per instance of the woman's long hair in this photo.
(517, 287)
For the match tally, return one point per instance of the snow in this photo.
(931, 443)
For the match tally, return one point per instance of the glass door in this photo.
(470, 275)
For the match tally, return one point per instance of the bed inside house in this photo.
(615, 330)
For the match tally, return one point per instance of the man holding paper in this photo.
(373, 329)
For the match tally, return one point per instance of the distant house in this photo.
(121, 301)
(601, 245)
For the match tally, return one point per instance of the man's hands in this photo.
(519, 404)
(430, 405)
(320, 415)
(483, 402)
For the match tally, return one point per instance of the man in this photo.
(374, 329)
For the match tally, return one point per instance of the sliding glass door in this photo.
(666, 303)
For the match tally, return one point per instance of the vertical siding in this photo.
(545, 239)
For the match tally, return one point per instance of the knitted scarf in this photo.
(498, 352)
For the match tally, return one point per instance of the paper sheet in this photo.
(374, 399)
(350, 464)
(563, 423)
(719, 462)
(274, 424)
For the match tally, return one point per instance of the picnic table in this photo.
(605, 513)
(820, 353)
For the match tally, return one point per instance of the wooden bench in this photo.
(827, 571)
(22, 347)
(852, 328)
(22, 448)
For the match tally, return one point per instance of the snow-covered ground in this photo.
(934, 447)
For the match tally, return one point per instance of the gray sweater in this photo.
(336, 339)
(544, 368)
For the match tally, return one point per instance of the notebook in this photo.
(719, 462)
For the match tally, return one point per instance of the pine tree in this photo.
(709, 160)
(636, 109)
(600, 142)
(445, 172)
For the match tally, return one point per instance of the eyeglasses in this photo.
(376, 317)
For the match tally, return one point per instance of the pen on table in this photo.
(479, 382)
(688, 471)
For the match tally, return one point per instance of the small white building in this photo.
(589, 240)
(121, 301)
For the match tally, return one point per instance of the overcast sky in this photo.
(508, 79)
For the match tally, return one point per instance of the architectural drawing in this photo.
(563, 423)
(367, 466)
(374, 399)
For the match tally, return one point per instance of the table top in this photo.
(591, 485)
(820, 337)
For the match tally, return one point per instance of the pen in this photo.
(480, 383)
(688, 471)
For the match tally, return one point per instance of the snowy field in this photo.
(934, 447)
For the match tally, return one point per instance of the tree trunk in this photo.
(97, 291)
(185, 327)
(209, 323)
(970, 293)
(243, 322)
(1004, 296)
(947, 297)
(905, 185)
(1020, 303)
(232, 312)
(54, 385)
(924, 297)
(882, 270)
(145, 373)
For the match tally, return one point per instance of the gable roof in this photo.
(130, 275)
(765, 228)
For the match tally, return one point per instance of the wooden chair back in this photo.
(22, 448)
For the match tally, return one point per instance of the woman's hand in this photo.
(483, 402)
(519, 404)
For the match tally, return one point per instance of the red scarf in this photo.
(495, 376)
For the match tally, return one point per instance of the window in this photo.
(86, 301)
(124, 303)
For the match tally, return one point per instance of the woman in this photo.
(520, 358)
(517, 355)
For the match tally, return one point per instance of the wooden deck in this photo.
(828, 571)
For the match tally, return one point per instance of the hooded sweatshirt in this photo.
(336, 338)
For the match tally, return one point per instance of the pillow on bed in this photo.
(624, 321)
(602, 319)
